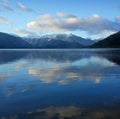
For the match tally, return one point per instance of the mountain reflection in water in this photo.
(60, 84)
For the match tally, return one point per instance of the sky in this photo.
(86, 18)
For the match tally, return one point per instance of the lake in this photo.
(60, 84)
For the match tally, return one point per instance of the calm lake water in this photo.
(60, 84)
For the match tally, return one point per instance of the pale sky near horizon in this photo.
(86, 18)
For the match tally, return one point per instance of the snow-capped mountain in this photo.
(56, 40)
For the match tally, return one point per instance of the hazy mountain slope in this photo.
(10, 41)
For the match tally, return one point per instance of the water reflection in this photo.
(70, 112)
(86, 68)
(45, 83)
(58, 55)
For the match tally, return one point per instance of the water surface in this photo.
(60, 84)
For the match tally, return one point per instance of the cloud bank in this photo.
(93, 24)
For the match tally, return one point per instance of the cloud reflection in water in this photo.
(68, 112)
(86, 68)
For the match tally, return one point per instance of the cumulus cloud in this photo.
(93, 24)
(23, 31)
(5, 5)
(4, 20)
(25, 8)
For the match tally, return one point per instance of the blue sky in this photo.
(86, 18)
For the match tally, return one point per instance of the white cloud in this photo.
(46, 16)
(64, 15)
(23, 31)
(4, 20)
(25, 8)
(93, 24)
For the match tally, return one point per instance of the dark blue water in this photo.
(60, 84)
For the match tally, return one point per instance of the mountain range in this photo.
(57, 41)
